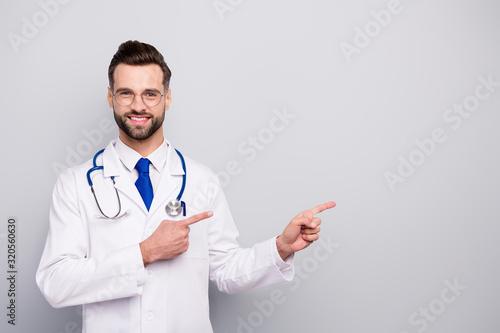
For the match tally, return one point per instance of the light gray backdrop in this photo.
(390, 108)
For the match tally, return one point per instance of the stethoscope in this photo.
(173, 208)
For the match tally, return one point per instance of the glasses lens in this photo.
(124, 97)
(151, 98)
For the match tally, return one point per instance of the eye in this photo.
(125, 93)
(151, 94)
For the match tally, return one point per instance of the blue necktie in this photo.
(143, 183)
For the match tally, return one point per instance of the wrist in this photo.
(283, 249)
(146, 254)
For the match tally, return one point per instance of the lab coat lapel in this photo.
(170, 181)
(114, 167)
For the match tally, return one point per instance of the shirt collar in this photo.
(129, 156)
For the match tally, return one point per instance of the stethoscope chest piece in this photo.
(175, 207)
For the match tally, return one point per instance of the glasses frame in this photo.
(142, 97)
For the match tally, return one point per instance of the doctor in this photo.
(143, 270)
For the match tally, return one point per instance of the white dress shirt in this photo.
(130, 157)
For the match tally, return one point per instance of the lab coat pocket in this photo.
(105, 236)
(113, 234)
(198, 239)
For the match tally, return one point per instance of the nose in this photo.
(138, 103)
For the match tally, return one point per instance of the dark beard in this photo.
(139, 132)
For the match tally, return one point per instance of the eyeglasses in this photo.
(125, 97)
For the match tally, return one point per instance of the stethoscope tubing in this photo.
(181, 192)
(96, 167)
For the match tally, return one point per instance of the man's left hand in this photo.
(301, 231)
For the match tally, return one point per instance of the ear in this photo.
(110, 98)
(168, 99)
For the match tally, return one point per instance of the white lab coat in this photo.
(98, 263)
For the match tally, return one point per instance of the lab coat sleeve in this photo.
(234, 269)
(66, 275)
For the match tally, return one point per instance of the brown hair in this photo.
(133, 52)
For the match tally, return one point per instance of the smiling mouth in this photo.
(138, 120)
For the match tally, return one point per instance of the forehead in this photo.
(138, 77)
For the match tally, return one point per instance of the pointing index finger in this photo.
(197, 218)
(319, 208)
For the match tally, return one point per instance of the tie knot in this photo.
(143, 165)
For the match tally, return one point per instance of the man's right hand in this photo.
(170, 239)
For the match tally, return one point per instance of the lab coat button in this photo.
(149, 316)
(149, 274)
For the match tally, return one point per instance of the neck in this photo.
(144, 147)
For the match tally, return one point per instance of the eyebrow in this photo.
(145, 90)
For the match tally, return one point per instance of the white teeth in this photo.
(138, 119)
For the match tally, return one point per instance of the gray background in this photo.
(355, 118)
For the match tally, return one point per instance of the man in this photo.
(142, 270)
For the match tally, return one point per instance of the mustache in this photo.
(135, 113)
